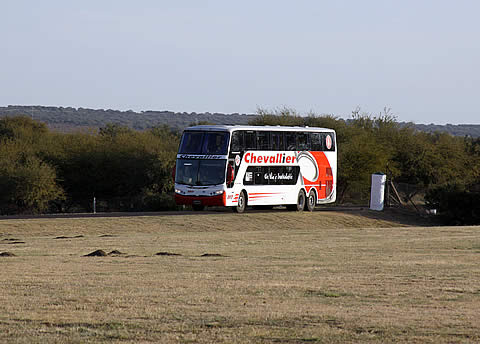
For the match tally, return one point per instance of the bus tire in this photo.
(242, 203)
(311, 201)
(301, 200)
(198, 207)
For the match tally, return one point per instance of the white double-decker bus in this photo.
(236, 166)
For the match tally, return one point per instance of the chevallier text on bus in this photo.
(279, 158)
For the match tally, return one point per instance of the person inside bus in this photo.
(216, 144)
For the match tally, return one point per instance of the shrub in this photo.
(455, 204)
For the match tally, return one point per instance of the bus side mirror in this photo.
(230, 174)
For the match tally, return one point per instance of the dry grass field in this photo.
(258, 277)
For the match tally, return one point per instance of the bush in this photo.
(28, 185)
(159, 202)
(455, 205)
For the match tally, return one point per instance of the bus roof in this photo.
(231, 128)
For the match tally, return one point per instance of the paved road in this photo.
(219, 210)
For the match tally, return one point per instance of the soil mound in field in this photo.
(167, 254)
(69, 237)
(97, 253)
(7, 254)
(13, 241)
(116, 253)
(212, 255)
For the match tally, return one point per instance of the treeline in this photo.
(128, 170)
(68, 119)
(46, 171)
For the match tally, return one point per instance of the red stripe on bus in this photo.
(264, 193)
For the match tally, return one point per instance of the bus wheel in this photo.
(300, 202)
(242, 203)
(311, 201)
(198, 207)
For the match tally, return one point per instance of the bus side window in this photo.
(303, 143)
(263, 140)
(328, 141)
(277, 141)
(290, 141)
(250, 140)
(259, 175)
(317, 142)
(238, 144)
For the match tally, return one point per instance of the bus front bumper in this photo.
(218, 200)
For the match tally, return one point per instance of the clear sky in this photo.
(421, 58)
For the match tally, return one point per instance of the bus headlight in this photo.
(178, 191)
(219, 192)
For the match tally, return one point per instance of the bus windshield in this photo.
(200, 172)
(198, 142)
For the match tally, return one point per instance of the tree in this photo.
(27, 183)
(358, 157)
(112, 130)
(21, 127)
(283, 116)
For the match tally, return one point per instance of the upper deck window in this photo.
(303, 143)
(238, 144)
(198, 142)
(191, 142)
(243, 140)
(215, 143)
(290, 141)
(263, 140)
(250, 140)
(323, 141)
(277, 141)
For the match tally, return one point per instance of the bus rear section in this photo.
(291, 166)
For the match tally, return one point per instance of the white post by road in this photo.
(377, 193)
